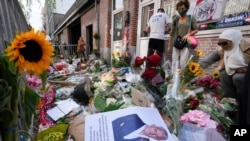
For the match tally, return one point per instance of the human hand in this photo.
(184, 38)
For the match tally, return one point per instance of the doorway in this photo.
(89, 37)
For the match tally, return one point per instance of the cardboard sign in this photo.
(141, 98)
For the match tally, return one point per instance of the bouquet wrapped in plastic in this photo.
(174, 104)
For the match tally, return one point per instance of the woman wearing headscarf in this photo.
(234, 61)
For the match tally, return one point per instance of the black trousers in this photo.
(156, 45)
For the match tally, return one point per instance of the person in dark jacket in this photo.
(244, 100)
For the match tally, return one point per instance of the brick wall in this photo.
(105, 23)
(89, 18)
(207, 45)
(132, 6)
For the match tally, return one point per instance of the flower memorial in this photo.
(29, 53)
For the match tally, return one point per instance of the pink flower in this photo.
(199, 118)
(33, 81)
(208, 82)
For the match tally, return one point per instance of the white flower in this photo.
(110, 100)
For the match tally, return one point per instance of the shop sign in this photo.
(238, 19)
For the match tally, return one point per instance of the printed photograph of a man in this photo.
(132, 128)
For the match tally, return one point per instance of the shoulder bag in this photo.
(179, 43)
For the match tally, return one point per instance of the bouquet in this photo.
(119, 60)
(190, 73)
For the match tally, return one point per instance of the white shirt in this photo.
(157, 24)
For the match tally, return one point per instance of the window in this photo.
(117, 4)
(147, 12)
(118, 20)
(169, 7)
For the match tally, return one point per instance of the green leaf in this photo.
(100, 103)
(44, 78)
(62, 128)
(10, 64)
(30, 101)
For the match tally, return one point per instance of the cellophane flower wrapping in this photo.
(174, 104)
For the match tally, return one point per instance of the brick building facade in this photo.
(108, 19)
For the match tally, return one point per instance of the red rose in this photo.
(220, 128)
(217, 96)
(153, 60)
(194, 103)
(139, 61)
(149, 73)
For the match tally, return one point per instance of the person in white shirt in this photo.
(156, 28)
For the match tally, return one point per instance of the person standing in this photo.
(183, 25)
(156, 28)
(81, 48)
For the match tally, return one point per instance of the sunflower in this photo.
(113, 55)
(199, 52)
(118, 54)
(193, 67)
(31, 52)
(199, 72)
(216, 74)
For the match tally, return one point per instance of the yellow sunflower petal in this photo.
(199, 73)
(193, 67)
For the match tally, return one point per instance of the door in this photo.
(89, 37)
(117, 26)
(146, 10)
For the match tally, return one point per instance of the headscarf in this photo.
(233, 58)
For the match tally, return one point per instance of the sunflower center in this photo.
(32, 52)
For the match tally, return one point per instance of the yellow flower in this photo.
(199, 72)
(118, 54)
(113, 55)
(215, 74)
(193, 67)
(91, 100)
(199, 52)
(31, 52)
